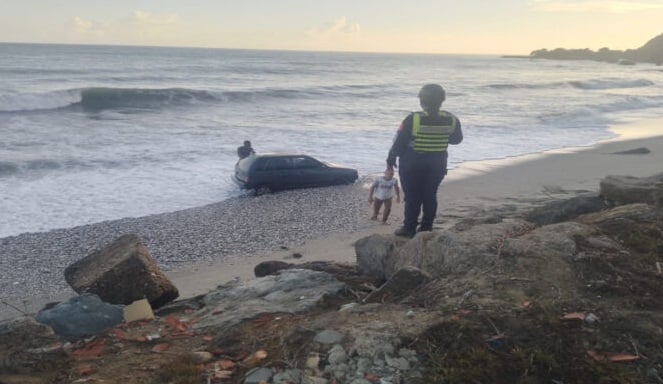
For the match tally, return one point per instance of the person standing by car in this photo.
(382, 192)
(421, 147)
(245, 150)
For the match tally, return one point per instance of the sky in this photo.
(408, 26)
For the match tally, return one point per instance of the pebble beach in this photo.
(33, 264)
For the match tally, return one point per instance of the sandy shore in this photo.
(522, 182)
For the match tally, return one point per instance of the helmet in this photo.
(432, 94)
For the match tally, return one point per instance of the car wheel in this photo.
(262, 190)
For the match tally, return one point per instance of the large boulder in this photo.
(555, 240)
(638, 227)
(374, 251)
(27, 347)
(122, 273)
(623, 190)
(401, 284)
(289, 291)
(447, 252)
(564, 210)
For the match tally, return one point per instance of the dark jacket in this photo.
(404, 142)
(245, 151)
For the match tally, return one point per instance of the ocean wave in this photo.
(16, 102)
(45, 166)
(610, 84)
(108, 98)
(97, 99)
(526, 86)
(598, 113)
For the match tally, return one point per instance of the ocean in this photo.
(95, 133)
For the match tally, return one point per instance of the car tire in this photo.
(262, 190)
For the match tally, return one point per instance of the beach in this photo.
(202, 247)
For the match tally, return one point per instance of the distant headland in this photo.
(651, 52)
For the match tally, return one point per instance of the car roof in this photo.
(278, 154)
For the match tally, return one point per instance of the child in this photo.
(383, 189)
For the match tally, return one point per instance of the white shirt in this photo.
(384, 189)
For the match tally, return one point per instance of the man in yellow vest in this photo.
(421, 148)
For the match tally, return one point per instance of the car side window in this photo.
(303, 162)
(277, 163)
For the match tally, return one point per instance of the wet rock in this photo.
(121, 273)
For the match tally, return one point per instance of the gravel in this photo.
(33, 264)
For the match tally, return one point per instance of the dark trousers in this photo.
(420, 177)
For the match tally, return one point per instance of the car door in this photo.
(309, 172)
(277, 173)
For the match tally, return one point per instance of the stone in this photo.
(623, 190)
(81, 316)
(373, 252)
(289, 291)
(28, 347)
(121, 273)
(270, 267)
(634, 151)
(288, 376)
(636, 227)
(328, 337)
(399, 286)
(558, 211)
(258, 376)
(337, 355)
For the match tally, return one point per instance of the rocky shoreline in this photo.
(566, 290)
(33, 263)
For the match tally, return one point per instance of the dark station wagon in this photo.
(279, 171)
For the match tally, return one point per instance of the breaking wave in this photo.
(106, 98)
(611, 83)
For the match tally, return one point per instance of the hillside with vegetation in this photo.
(651, 52)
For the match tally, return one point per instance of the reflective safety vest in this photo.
(432, 138)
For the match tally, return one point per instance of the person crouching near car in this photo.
(382, 193)
(245, 150)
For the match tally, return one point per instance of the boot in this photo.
(405, 232)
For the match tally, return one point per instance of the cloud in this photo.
(81, 26)
(595, 6)
(155, 26)
(151, 19)
(340, 26)
(137, 27)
